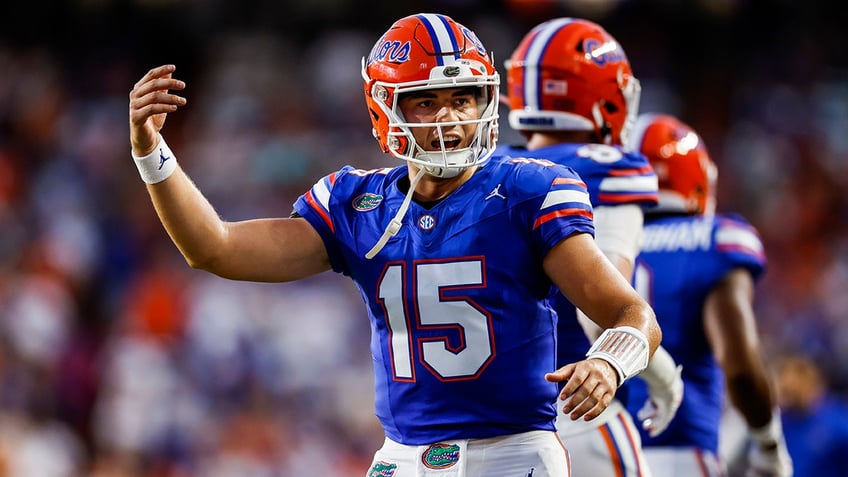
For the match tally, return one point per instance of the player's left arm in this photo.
(589, 280)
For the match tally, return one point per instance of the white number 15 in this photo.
(431, 310)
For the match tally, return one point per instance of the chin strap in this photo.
(394, 226)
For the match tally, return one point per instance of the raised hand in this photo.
(150, 103)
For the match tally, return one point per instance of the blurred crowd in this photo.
(118, 360)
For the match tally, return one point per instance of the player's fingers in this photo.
(140, 115)
(153, 103)
(579, 397)
(156, 85)
(156, 72)
(155, 94)
(593, 406)
(562, 374)
(576, 376)
(158, 97)
(585, 400)
(593, 395)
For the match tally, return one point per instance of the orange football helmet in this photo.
(429, 51)
(570, 74)
(687, 176)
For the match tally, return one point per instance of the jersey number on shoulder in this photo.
(442, 318)
(600, 153)
(531, 160)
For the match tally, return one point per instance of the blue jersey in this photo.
(682, 259)
(613, 177)
(461, 332)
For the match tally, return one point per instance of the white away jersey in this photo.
(461, 334)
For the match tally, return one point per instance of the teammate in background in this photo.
(698, 269)
(814, 417)
(453, 254)
(573, 95)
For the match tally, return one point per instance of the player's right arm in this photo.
(732, 332)
(268, 250)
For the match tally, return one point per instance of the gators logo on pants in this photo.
(440, 456)
(382, 469)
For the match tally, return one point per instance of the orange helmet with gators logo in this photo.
(686, 174)
(570, 74)
(430, 51)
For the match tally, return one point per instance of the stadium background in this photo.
(117, 360)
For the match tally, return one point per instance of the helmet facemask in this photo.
(426, 52)
(631, 89)
(446, 161)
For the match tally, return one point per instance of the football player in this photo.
(697, 268)
(453, 254)
(573, 95)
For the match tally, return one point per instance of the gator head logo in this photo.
(367, 201)
(440, 456)
(451, 71)
(382, 469)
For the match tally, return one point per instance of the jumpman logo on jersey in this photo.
(496, 192)
(162, 158)
(532, 471)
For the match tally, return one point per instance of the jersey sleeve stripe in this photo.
(633, 171)
(627, 198)
(319, 209)
(734, 238)
(630, 183)
(568, 181)
(319, 198)
(321, 191)
(561, 213)
(557, 197)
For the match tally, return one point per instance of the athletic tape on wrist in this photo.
(625, 348)
(771, 433)
(158, 165)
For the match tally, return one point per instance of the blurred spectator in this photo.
(815, 421)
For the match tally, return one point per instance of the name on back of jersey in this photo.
(678, 236)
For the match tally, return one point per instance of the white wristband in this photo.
(625, 348)
(158, 165)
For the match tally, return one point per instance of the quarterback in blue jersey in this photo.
(697, 268)
(573, 95)
(453, 253)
